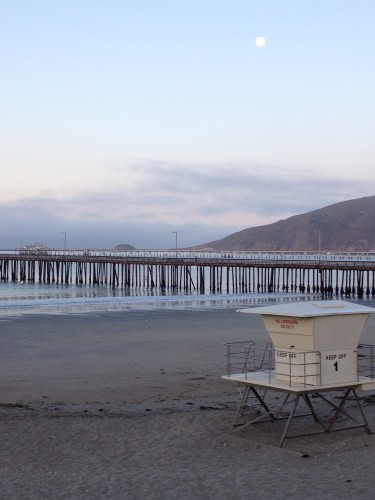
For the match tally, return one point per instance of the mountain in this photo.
(348, 226)
(123, 247)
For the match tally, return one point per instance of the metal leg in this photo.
(277, 411)
(291, 415)
(338, 410)
(328, 425)
(335, 406)
(243, 404)
(366, 426)
(313, 412)
(262, 402)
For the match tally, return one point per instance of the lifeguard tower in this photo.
(314, 350)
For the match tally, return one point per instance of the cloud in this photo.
(149, 200)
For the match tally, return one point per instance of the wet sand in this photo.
(131, 405)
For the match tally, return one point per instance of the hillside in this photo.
(345, 226)
(123, 247)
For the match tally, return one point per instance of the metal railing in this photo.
(293, 367)
(366, 360)
(244, 357)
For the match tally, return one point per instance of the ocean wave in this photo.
(71, 305)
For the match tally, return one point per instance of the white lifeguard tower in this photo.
(314, 349)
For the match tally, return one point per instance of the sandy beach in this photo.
(131, 405)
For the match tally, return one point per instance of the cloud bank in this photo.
(143, 203)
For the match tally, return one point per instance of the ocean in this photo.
(35, 298)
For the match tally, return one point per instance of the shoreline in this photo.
(121, 304)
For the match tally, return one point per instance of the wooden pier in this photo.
(348, 275)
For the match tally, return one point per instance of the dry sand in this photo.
(130, 405)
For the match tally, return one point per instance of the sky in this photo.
(128, 121)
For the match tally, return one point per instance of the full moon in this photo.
(260, 41)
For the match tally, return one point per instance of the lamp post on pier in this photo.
(319, 242)
(175, 232)
(64, 233)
